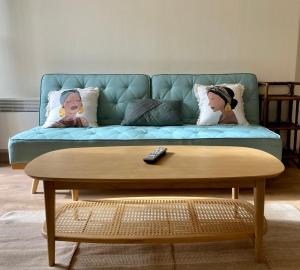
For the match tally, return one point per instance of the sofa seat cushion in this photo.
(29, 144)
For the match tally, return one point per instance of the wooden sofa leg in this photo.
(74, 193)
(34, 185)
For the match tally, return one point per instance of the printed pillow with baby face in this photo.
(72, 108)
(220, 104)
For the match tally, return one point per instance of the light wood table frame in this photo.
(184, 167)
(35, 182)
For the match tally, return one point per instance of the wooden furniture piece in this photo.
(35, 182)
(288, 128)
(154, 219)
(182, 167)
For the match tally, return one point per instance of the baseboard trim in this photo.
(18, 166)
(4, 155)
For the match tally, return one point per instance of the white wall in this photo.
(145, 36)
(15, 122)
(141, 36)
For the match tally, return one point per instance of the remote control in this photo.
(154, 156)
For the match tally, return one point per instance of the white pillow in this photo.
(220, 104)
(72, 108)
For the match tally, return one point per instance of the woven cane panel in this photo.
(155, 218)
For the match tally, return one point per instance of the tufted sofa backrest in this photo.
(116, 91)
(180, 87)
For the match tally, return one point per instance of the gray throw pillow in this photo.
(153, 112)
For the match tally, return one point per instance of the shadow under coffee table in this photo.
(155, 219)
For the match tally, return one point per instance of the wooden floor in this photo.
(15, 189)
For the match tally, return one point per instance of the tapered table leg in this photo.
(75, 194)
(49, 194)
(259, 201)
(235, 193)
(235, 196)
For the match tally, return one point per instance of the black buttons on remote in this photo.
(154, 156)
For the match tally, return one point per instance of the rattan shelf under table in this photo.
(150, 219)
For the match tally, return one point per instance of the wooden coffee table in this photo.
(144, 220)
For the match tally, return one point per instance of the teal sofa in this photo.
(116, 91)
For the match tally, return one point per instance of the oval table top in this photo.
(125, 164)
